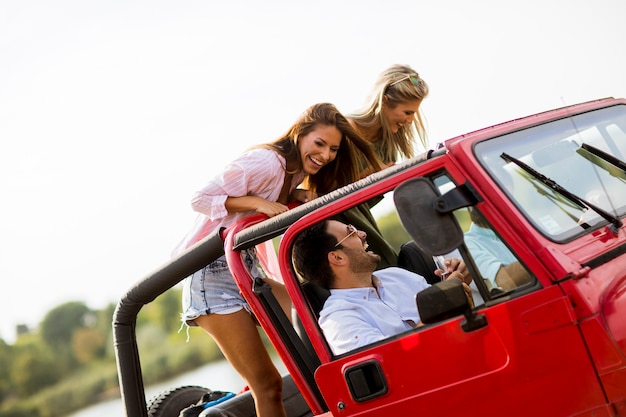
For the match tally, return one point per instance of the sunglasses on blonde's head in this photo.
(351, 230)
(414, 78)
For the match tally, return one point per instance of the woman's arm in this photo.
(253, 203)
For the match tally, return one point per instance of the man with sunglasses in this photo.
(365, 305)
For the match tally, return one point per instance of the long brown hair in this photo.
(353, 151)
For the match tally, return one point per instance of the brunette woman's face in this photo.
(402, 114)
(319, 147)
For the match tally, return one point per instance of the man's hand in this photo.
(455, 268)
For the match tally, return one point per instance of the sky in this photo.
(112, 113)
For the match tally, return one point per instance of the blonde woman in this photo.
(391, 122)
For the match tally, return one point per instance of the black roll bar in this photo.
(143, 292)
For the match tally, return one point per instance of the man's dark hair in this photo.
(310, 254)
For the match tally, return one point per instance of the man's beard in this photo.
(362, 261)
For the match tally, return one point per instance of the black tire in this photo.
(170, 403)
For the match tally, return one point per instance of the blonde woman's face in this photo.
(402, 114)
(319, 148)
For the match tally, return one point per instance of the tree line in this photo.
(68, 361)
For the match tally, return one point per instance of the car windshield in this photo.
(567, 176)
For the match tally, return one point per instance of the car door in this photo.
(523, 356)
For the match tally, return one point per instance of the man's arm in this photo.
(348, 331)
(512, 276)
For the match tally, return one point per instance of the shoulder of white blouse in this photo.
(261, 157)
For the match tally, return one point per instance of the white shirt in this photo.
(356, 317)
(258, 172)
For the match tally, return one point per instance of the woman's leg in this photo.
(237, 336)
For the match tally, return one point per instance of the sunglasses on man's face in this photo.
(351, 230)
(415, 80)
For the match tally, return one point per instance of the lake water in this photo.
(218, 376)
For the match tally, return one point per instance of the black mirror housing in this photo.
(442, 301)
(435, 232)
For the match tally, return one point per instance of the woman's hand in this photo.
(303, 196)
(271, 208)
(254, 203)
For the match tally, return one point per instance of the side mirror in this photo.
(427, 217)
(445, 300)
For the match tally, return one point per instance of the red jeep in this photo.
(543, 336)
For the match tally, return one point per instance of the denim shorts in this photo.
(212, 290)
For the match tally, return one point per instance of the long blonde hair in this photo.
(395, 85)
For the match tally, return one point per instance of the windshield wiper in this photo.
(614, 222)
(616, 162)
